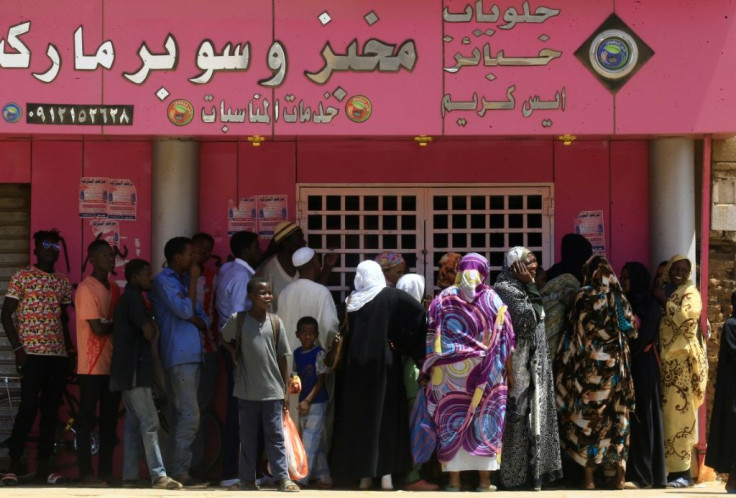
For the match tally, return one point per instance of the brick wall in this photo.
(722, 252)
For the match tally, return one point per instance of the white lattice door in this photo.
(423, 223)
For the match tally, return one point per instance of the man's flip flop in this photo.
(9, 479)
(54, 478)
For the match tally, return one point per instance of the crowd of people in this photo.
(573, 376)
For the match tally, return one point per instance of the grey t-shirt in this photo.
(257, 375)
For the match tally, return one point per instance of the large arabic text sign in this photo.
(330, 67)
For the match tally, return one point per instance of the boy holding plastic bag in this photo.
(310, 367)
(260, 378)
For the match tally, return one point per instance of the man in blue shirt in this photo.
(181, 321)
(232, 297)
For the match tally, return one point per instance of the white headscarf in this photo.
(515, 254)
(369, 281)
(413, 284)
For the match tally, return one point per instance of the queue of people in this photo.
(583, 379)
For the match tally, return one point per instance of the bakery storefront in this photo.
(416, 126)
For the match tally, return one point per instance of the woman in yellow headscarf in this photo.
(684, 367)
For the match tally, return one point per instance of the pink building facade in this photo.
(416, 126)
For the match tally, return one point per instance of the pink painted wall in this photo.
(55, 170)
(15, 162)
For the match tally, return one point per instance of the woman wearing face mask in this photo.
(684, 367)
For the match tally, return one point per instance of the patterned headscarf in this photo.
(448, 269)
(388, 259)
(472, 272)
(369, 281)
(674, 259)
(602, 297)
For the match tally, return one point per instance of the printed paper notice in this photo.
(122, 200)
(589, 224)
(271, 212)
(243, 217)
(92, 197)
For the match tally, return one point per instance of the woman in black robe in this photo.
(371, 432)
(646, 466)
(721, 453)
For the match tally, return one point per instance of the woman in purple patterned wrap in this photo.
(469, 342)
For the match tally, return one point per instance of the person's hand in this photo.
(330, 259)
(510, 381)
(521, 272)
(423, 379)
(195, 271)
(304, 407)
(20, 360)
(286, 402)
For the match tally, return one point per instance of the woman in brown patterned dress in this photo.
(684, 367)
(595, 392)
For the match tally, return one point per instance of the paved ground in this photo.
(702, 491)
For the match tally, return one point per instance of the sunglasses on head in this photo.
(48, 245)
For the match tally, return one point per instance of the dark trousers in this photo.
(94, 390)
(41, 387)
(262, 417)
(231, 447)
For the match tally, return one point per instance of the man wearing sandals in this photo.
(39, 336)
(261, 377)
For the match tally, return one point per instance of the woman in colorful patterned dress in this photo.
(684, 367)
(469, 343)
(595, 392)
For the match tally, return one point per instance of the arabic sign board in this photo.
(465, 68)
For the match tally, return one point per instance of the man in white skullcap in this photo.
(306, 297)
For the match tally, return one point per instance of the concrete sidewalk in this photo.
(701, 491)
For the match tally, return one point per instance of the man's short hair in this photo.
(203, 236)
(307, 320)
(134, 267)
(175, 246)
(52, 235)
(255, 282)
(240, 241)
(97, 245)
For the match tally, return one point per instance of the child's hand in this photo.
(304, 407)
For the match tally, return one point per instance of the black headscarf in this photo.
(576, 250)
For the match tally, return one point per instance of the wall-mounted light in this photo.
(423, 140)
(567, 139)
(256, 140)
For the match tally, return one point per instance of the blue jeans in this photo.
(257, 416)
(312, 429)
(141, 426)
(183, 383)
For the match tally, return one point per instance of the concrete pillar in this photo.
(672, 199)
(175, 194)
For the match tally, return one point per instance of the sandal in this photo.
(486, 489)
(680, 482)
(288, 486)
(55, 478)
(9, 479)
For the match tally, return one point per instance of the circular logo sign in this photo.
(180, 112)
(613, 54)
(12, 113)
(358, 108)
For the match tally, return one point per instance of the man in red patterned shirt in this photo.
(35, 322)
